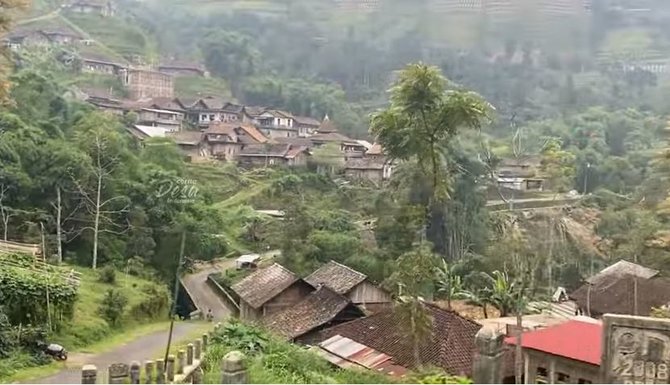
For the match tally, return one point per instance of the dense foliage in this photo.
(32, 296)
(270, 360)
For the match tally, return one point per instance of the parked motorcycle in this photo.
(56, 351)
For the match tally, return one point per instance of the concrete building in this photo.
(568, 353)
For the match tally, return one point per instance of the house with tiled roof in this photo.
(227, 140)
(268, 291)
(321, 309)
(182, 68)
(627, 294)
(305, 125)
(354, 285)
(328, 133)
(449, 343)
(568, 353)
(375, 170)
(213, 109)
(273, 154)
(192, 144)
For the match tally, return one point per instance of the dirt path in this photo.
(142, 349)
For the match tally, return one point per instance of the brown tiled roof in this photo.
(327, 126)
(296, 141)
(244, 133)
(317, 309)
(623, 268)
(332, 136)
(270, 150)
(616, 294)
(253, 132)
(170, 104)
(264, 284)
(191, 138)
(254, 111)
(182, 64)
(450, 345)
(336, 276)
(307, 121)
(294, 151)
(187, 102)
(364, 164)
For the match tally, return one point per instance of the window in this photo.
(583, 381)
(562, 378)
(211, 117)
(542, 376)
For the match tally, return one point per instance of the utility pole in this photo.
(174, 301)
(635, 290)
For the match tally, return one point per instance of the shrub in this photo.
(107, 275)
(241, 337)
(154, 304)
(113, 306)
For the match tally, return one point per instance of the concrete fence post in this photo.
(118, 373)
(181, 361)
(233, 368)
(149, 372)
(160, 371)
(198, 349)
(487, 364)
(169, 376)
(189, 354)
(89, 374)
(135, 372)
(205, 341)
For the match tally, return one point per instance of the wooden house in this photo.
(264, 155)
(268, 291)
(354, 285)
(321, 309)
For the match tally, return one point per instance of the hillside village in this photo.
(521, 239)
(340, 313)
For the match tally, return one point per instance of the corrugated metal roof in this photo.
(346, 353)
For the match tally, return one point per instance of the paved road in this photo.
(203, 296)
(142, 349)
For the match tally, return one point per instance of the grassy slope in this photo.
(88, 327)
(116, 33)
(88, 332)
(195, 86)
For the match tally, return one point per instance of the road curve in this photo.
(202, 294)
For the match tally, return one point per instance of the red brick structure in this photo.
(149, 84)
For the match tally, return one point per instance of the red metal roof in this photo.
(576, 340)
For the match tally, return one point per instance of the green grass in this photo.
(87, 332)
(117, 34)
(87, 326)
(196, 86)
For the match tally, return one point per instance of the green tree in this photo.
(424, 117)
(113, 306)
(231, 55)
(558, 165)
